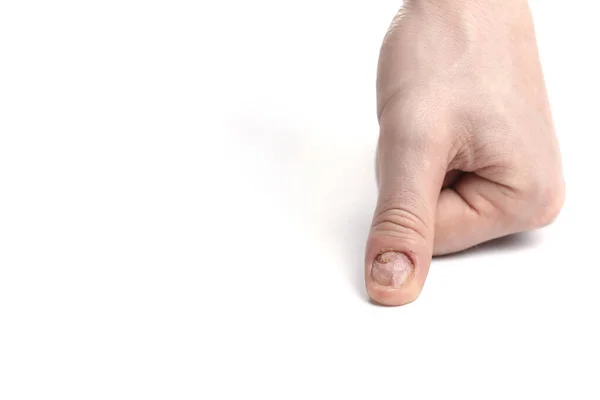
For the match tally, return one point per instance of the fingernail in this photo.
(392, 269)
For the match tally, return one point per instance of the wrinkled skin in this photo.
(467, 150)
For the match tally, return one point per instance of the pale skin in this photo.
(467, 149)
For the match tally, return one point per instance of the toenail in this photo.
(392, 269)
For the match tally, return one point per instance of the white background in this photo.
(185, 193)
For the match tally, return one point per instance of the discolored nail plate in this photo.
(392, 269)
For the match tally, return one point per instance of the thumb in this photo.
(411, 169)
